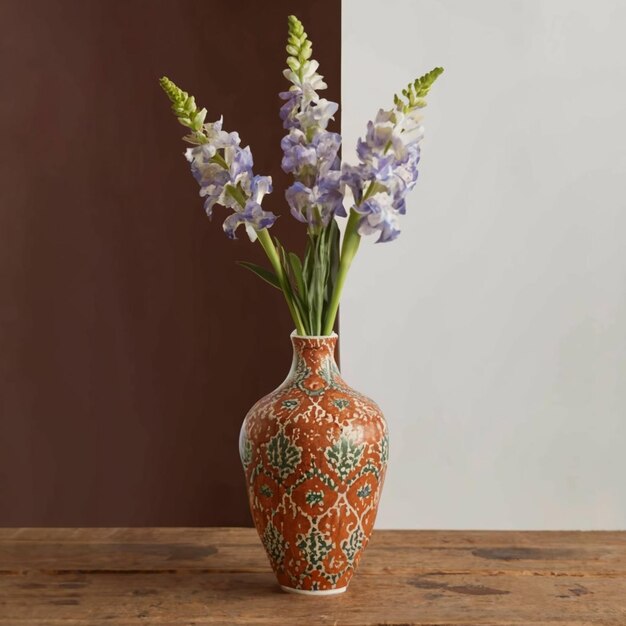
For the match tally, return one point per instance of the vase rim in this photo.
(294, 335)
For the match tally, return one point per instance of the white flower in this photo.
(317, 115)
(311, 80)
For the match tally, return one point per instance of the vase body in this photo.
(314, 453)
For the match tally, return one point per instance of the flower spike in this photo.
(376, 186)
(299, 46)
(416, 91)
(311, 152)
(184, 106)
(389, 154)
(222, 168)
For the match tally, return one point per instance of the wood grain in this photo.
(175, 576)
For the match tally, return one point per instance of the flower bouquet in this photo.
(314, 450)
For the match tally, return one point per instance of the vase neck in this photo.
(313, 363)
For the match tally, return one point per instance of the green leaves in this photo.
(413, 96)
(296, 268)
(276, 255)
(319, 272)
(308, 286)
(267, 275)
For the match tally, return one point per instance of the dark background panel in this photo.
(131, 345)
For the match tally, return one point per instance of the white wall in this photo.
(493, 331)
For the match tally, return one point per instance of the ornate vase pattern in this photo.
(314, 453)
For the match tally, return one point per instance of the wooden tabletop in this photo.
(192, 576)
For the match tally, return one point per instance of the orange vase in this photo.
(314, 453)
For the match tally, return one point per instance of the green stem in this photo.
(268, 245)
(349, 248)
(272, 254)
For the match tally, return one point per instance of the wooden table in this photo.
(174, 576)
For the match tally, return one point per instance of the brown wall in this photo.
(131, 346)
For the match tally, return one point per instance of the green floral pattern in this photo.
(274, 543)
(344, 457)
(314, 452)
(353, 544)
(282, 455)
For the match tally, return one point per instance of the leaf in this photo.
(299, 293)
(267, 275)
(296, 268)
(282, 257)
(300, 305)
(290, 293)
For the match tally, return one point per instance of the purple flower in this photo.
(379, 216)
(254, 218)
(327, 146)
(353, 178)
(407, 170)
(317, 195)
(330, 196)
(376, 139)
(211, 177)
(310, 151)
(252, 215)
(318, 155)
(290, 109)
(298, 153)
(223, 169)
(388, 154)
(318, 204)
(240, 162)
(300, 199)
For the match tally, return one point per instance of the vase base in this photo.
(314, 592)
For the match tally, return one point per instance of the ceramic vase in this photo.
(314, 453)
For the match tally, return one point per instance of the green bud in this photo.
(293, 64)
(185, 109)
(416, 91)
(190, 105)
(198, 119)
(174, 93)
(423, 84)
(299, 47)
(307, 50)
(295, 25)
